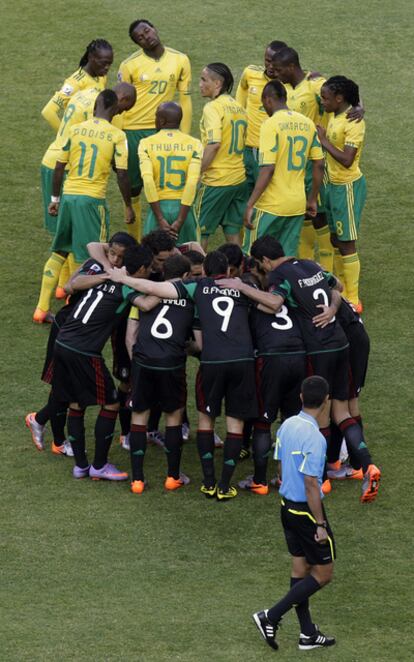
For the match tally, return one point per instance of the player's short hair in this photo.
(314, 391)
(135, 23)
(287, 56)
(195, 257)
(233, 253)
(92, 47)
(274, 88)
(276, 45)
(345, 86)
(215, 264)
(267, 246)
(123, 239)
(136, 257)
(176, 266)
(158, 240)
(224, 72)
(108, 98)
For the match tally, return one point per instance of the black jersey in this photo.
(224, 320)
(93, 319)
(276, 334)
(162, 334)
(305, 286)
(353, 327)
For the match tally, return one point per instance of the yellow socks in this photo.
(338, 269)
(72, 264)
(307, 238)
(351, 269)
(323, 236)
(64, 274)
(50, 279)
(134, 229)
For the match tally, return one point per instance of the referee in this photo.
(301, 448)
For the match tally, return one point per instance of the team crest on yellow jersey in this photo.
(172, 77)
(253, 90)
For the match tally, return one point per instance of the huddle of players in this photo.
(257, 336)
(236, 139)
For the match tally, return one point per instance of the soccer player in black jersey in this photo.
(158, 376)
(306, 288)
(80, 376)
(227, 364)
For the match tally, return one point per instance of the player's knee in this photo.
(114, 407)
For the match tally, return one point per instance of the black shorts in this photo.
(234, 382)
(299, 528)
(334, 367)
(166, 389)
(278, 382)
(82, 379)
(121, 366)
(358, 365)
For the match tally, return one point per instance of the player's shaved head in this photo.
(287, 56)
(168, 115)
(125, 91)
(275, 90)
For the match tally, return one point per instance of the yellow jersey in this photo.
(79, 80)
(305, 98)
(249, 95)
(287, 141)
(155, 81)
(89, 150)
(224, 121)
(340, 132)
(79, 109)
(170, 163)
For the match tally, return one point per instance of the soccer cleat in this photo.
(60, 293)
(175, 483)
(63, 449)
(257, 488)
(244, 454)
(370, 484)
(359, 308)
(81, 472)
(316, 640)
(326, 486)
(124, 441)
(266, 628)
(222, 495)
(42, 317)
(337, 474)
(354, 474)
(156, 438)
(185, 431)
(137, 486)
(209, 492)
(108, 472)
(37, 431)
(218, 443)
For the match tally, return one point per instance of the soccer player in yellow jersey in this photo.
(170, 163)
(78, 110)
(93, 68)
(249, 95)
(223, 193)
(342, 142)
(278, 202)
(157, 73)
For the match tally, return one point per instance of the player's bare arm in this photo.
(58, 175)
(318, 168)
(265, 175)
(209, 155)
(267, 299)
(125, 188)
(161, 290)
(328, 312)
(345, 157)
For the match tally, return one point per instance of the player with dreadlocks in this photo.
(342, 142)
(223, 192)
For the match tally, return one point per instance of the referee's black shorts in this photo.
(299, 526)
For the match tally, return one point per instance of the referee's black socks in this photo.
(261, 448)
(104, 431)
(298, 594)
(76, 432)
(355, 442)
(205, 446)
(173, 446)
(231, 453)
(138, 446)
(302, 612)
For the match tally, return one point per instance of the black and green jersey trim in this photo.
(78, 351)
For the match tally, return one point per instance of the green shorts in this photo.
(344, 209)
(221, 205)
(251, 164)
(322, 191)
(46, 179)
(134, 137)
(286, 229)
(81, 219)
(170, 209)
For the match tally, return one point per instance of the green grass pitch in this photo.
(91, 572)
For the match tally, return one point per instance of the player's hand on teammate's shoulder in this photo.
(235, 283)
(356, 113)
(117, 275)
